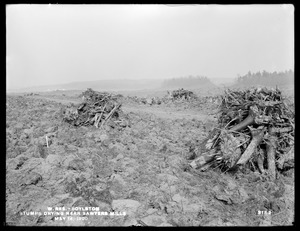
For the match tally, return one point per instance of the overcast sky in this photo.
(53, 44)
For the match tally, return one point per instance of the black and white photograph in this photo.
(159, 115)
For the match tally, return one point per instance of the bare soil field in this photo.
(139, 169)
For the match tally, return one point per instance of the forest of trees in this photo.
(267, 78)
(186, 82)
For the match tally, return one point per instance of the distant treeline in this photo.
(186, 82)
(267, 78)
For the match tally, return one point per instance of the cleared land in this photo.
(140, 169)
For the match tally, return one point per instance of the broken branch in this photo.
(246, 122)
(281, 130)
(110, 114)
(100, 116)
(47, 142)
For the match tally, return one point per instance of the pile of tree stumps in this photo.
(97, 108)
(255, 130)
(181, 94)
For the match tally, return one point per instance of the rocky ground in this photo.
(139, 169)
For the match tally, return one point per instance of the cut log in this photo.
(203, 160)
(206, 166)
(256, 139)
(271, 147)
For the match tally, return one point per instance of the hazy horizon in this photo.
(59, 44)
(213, 80)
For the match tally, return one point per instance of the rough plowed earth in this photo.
(139, 169)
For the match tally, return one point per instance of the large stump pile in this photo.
(181, 94)
(97, 108)
(255, 130)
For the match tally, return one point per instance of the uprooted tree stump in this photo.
(255, 127)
